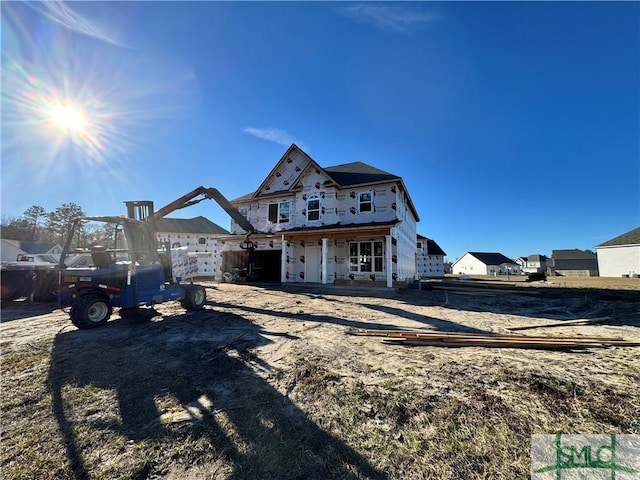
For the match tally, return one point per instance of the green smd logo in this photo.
(589, 457)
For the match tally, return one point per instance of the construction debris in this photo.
(462, 339)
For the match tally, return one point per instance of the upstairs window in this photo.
(279, 212)
(313, 209)
(365, 202)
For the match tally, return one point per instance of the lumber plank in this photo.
(580, 321)
(430, 333)
(459, 339)
(548, 346)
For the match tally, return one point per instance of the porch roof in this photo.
(340, 230)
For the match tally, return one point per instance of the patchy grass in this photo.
(235, 392)
(473, 430)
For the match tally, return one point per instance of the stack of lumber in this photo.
(462, 339)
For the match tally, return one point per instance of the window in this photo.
(419, 244)
(202, 241)
(279, 212)
(244, 211)
(365, 257)
(313, 209)
(365, 202)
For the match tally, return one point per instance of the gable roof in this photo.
(36, 248)
(492, 258)
(192, 225)
(536, 257)
(432, 247)
(292, 152)
(573, 254)
(358, 173)
(345, 175)
(630, 238)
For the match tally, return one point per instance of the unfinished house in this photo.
(429, 258)
(348, 224)
(201, 238)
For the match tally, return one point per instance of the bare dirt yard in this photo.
(265, 383)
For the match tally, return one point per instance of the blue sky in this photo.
(515, 125)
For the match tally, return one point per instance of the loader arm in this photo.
(200, 194)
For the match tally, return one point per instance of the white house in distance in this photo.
(429, 258)
(533, 263)
(11, 250)
(345, 224)
(620, 256)
(485, 263)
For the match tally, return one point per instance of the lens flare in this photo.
(68, 118)
(77, 104)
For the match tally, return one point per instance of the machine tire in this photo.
(194, 298)
(91, 311)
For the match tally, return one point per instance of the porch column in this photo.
(389, 263)
(323, 255)
(283, 261)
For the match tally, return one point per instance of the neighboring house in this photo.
(46, 251)
(485, 263)
(10, 250)
(201, 237)
(573, 263)
(620, 256)
(535, 263)
(346, 223)
(429, 258)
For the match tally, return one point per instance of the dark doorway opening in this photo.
(266, 264)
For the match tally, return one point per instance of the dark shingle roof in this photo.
(36, 248)
(573, 254)
(191, 225)
(491, 258)
(341, 226)
(629, 238)
(357, 173)
(432, 247)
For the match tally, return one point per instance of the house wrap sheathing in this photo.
(347, 223)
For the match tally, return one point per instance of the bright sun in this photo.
(69, 118)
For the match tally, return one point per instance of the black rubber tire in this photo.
(194, 298)
(91, 311)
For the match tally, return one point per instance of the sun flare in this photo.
(69, 118)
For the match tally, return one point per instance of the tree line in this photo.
(36, 224)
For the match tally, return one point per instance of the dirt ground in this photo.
(269, 329)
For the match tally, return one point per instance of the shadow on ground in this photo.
(623, 306)
(203, 364)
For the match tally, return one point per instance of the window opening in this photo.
(279, 212)
(366, 257)
(365, 202)
(313, 209)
